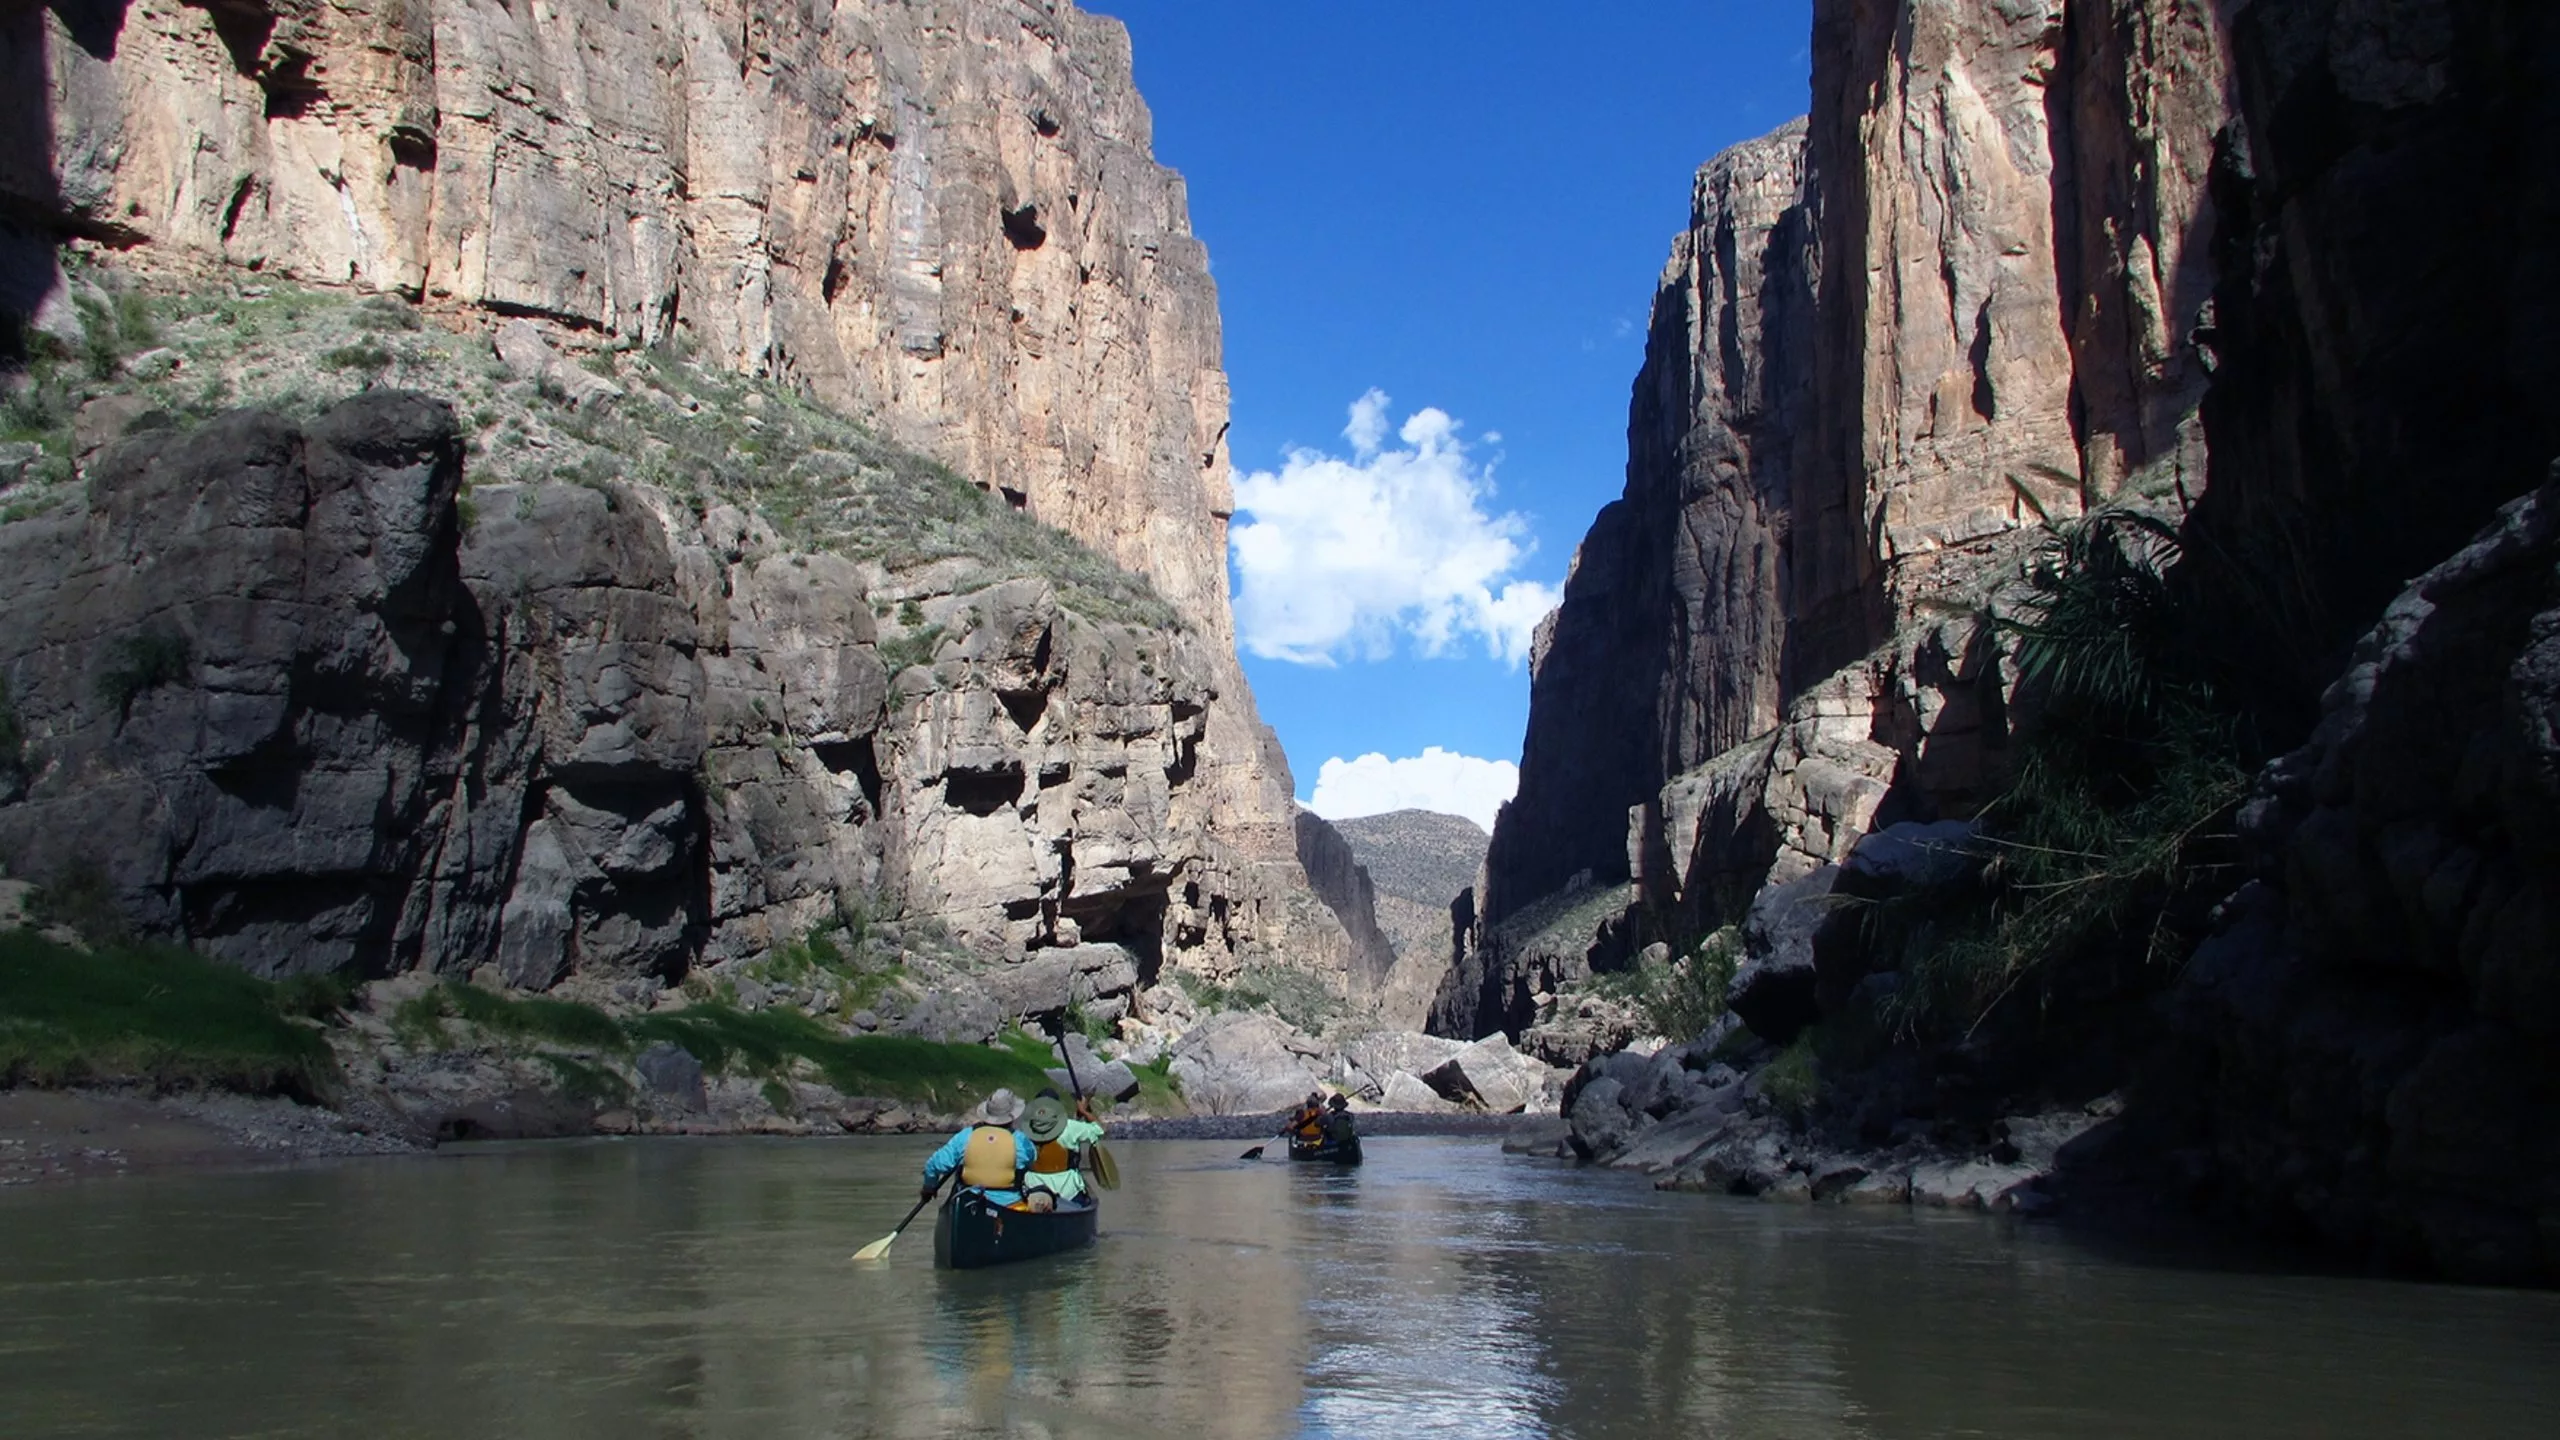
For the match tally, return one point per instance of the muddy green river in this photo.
(703, 1288)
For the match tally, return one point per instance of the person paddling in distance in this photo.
(1336, 1125)
(1306, 1123)
(1058, 1142)
(990, 1155)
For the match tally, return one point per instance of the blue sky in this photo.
(1436, 230)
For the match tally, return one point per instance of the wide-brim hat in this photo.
(1046, 1117)
(1002, 1108)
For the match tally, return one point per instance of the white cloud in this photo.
(1340, 557)
(1436, 779)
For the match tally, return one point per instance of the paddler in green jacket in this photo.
(1058, 1140)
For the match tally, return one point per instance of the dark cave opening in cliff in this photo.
(1022, 226)
(1025, 708)
(983, 792)
(855, 757)
(1133, 922)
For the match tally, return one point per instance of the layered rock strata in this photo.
(943, 216)
(1955, 302)
(284, 704)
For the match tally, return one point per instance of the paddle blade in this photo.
(1253, 1154)
(1106, 1171)
(877, 1248)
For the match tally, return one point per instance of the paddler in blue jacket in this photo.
(990, 1156)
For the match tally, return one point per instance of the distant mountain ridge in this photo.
(1418, 860)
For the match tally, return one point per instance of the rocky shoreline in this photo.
(62, 1136)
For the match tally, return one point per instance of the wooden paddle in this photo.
(1253, 1154)
(879, 1249)
(1106, 1171)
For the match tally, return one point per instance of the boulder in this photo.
(1384, 1052)
(1601, 1125)
(1919, 869)
(1876, 1187)
(1405, 1091)
(1489, 1074)
(1774, 989)
(1970, 1184)
(670, 1070)
(1105, 1081)
(1667, 1146)
(1241, 1064)
(1739, 1162)
(1047, 982)
(954, 1015)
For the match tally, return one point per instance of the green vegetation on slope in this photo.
(703, 435)
(150, 1012)
(770, 1045)
(2115, 822)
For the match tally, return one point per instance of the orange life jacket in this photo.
(1052, 1157)
(988, 1161)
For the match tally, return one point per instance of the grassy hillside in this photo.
(654, 416)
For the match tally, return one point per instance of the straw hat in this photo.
(1001, 1108)
(1046, 1117)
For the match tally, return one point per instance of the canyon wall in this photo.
(2057, 255)
(1956, 301)
(940, 218)
(2363, 1056)
(285, 698)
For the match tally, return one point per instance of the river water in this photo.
(633, 1289)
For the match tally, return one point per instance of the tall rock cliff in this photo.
(1956, 301)
(2056, 248)
(2366, 1050)
(942, 218)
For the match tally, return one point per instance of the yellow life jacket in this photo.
(1052, 1157)
(987, 1162)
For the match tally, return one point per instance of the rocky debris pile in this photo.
(1243, 1063)
(1583, 1021)
(1694, 1121)
(425, 1063)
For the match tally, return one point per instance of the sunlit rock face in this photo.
(1959, 299)
(943, 218)
(286, 700)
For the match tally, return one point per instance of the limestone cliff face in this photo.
(941, 216)
(1957, 300)
(292, 705)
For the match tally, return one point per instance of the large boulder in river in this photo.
(1490, 1075)
(1242, 1064)
(1384, 1052)
(1407, 1093)
(1601, 1125)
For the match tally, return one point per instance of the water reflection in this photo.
(702, 1289)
